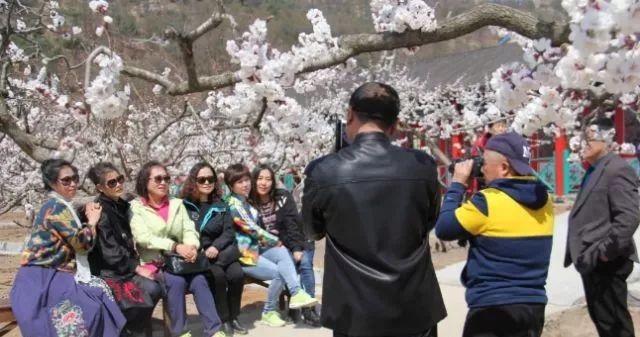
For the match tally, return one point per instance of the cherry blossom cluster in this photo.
(400, 15)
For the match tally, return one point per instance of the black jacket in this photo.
(114, 254)
(289, 222)
(215, 225)
(376, 204)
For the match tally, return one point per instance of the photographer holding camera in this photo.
(509, 225)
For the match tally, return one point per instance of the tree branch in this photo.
(212, 23)
(256, 123)
(9, 205)
(164, 128)
(149, 77)
(523, 23)
(39, 150)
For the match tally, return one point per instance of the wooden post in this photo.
(457, 144)
(560, 161)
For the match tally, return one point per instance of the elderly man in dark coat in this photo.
(601, 226)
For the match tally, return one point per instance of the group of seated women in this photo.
(100, 269)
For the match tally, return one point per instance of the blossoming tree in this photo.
(85, 112)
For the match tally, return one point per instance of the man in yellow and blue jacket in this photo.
(509, 225)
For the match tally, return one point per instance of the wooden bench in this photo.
(282, 303)
(7, 320)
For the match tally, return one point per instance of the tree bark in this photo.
(523, 23)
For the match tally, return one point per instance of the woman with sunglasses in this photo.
(47, 299)
(261, 253)
(279, 216)
(161, 225)
(114, 257)
(217, 238)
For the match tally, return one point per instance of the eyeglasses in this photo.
(161, 179)
(112, 183)
(205, 180)
(66, 181)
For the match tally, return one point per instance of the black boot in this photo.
(310, 317)
(227, 328)
(238, 328)
(294, 316)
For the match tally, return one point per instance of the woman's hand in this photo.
(146, 273)
(297, 256)
(187, 252)
(92, 210)
(211, 252)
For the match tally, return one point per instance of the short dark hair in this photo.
(50, 170)
(98, 171)
(190, 189)
(253, 195)
(142, 179)
(603, 123)
(376, 102)
(234, 173)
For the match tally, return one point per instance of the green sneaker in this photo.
(272, 319)
(302, 300)
(186, 334)
(219, 334)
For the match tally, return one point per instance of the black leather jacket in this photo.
(376, 204)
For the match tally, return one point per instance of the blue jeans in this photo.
(307, 276)
(275, 264)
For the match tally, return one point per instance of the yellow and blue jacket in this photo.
(509, 226)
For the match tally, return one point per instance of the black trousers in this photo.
(139, 319)
(606, 292)
(433, 332)
(227, 284)
(509, 320)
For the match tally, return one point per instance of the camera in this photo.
(340, 136)
(476, 171)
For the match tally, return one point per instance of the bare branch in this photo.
(164, 128)
(3, 78)
(10, 204)
(39, 150)
(256, 123)
(212, 23)
(66, 61)
(87, 70)
(479, 17)
(149, 77)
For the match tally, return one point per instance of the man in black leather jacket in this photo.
(375, 203)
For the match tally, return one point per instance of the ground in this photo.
(568, 323)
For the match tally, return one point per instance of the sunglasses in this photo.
(205, 180)
(161, 179)
(66, 181)
(112, 183)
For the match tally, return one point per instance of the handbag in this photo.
(129, 293)
(175, 264)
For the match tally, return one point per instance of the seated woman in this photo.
(217, 238)
(47, 299)
(114, 257)
(161, 225)
(279, 216)
(262, 255)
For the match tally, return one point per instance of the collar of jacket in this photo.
(216, 207)
(377, 136)
(174, 204)
(120, 204)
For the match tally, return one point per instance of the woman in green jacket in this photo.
(162, 225)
